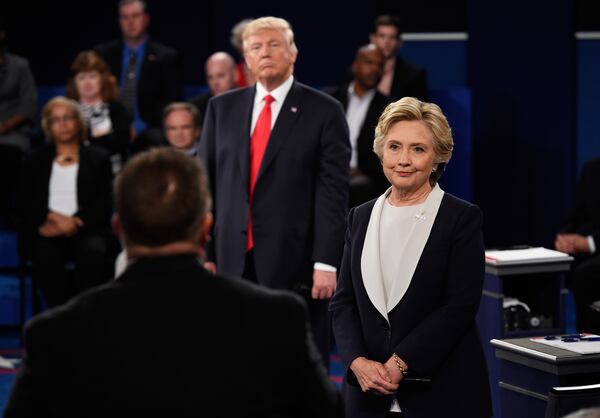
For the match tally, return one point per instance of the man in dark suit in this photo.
(278, 158)
(220, 77)
(580, 236)
(400, 77)
(148, 72)
(167, 338)
(363, 105)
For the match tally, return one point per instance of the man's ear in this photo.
(372, 38)
(205, 227)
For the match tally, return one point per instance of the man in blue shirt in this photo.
(148, 71)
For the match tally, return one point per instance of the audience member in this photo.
(400, 77)
(107, 121)
(149, 73)
(280, 217)
(240, 350)
(65, 205)
(363, 105)
(18, 99)
(411, 280)
(580, 236)
(220, 77)
(244, 76)
(181, 122)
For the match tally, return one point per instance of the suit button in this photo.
(386, 326)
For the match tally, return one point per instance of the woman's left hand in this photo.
(373, 377)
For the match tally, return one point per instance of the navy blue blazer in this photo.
(301, 193)
(432, 327)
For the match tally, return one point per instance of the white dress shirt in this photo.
(355, 116)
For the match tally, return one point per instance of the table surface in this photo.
(542, 352)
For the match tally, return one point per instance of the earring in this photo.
(434, 169)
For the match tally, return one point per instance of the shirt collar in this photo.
(367, 96)
(137, 50)
(278, 94)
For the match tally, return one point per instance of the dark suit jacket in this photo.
(432, 327)
(585, 216)
(368, 162)
(409, 81)
(300, 197)
(160, 79)
(94, 191)
(169, 339)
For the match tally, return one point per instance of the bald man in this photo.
(363, 105)
(220, 77)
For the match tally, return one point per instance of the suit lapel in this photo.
(290, 110)
(370, 263)
(411, 254)
(147, 61)
(246, 104)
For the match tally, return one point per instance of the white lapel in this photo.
(371, 260)
(370, 264)
(416, 243)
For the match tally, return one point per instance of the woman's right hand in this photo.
(373, 376)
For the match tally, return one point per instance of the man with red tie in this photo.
(278, 156)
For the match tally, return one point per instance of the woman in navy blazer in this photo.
(410, 282)
(65, 205)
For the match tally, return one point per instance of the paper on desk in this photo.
(526, 255)
(6, 364)
(581, 347)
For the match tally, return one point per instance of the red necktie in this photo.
(258, 144)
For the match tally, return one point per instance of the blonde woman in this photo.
(410, 282)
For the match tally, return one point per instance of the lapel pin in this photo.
(294, 109)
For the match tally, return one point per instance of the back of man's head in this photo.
(161, 197)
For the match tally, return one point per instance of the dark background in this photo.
(521, 70)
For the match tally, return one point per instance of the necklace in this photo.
(67, 159)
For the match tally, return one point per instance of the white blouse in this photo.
(62, 192)
(395, 227)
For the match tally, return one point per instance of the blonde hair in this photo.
(270, 22)
(236, 34)
(73, 106)
(411, 109)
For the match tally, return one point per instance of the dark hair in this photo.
(387, 20)
(126, 2)
(161, 196)
(91, 61)
(183, 106)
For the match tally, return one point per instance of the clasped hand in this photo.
(571, 243)
(57, 225)
(375, 377)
